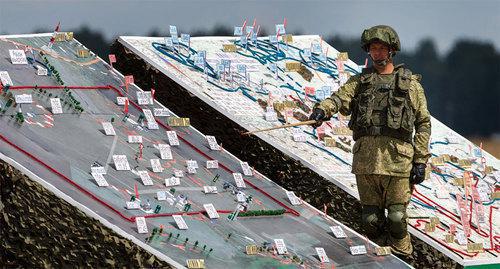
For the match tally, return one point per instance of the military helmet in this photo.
(382, 33)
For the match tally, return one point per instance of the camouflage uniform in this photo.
(385, 110)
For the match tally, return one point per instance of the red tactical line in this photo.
(443, 244)
(131, 219)
(453, 214)
(289, 210)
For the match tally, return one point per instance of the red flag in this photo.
(128, 80)
(125, 110)
(53, 38)
(112, 58)
(136, 191)
(152, 93)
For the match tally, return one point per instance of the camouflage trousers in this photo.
(379, 193)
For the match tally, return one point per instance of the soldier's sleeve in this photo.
(422, 125)
(340, 100)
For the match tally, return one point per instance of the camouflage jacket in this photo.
(385, 155)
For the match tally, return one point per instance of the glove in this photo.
(318, 115)
(417, 174)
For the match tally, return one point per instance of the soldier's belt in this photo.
(384, 131)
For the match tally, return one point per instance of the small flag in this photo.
(112, 59)
(125, 110)
(152, 93)
(53, 38)
(136, 190)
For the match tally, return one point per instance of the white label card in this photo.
(142, 228)
(120, 100)
(212, 164)
(246, 169)
(24, 98)
(191, 170)
(178, 173)
(161, 112)
(144, 98)
(181, 224)
(146, 179)
(108, 128)
(121, 162)
(172, 138)
(238, 179)
(18, 57)
(294, 200)
(156, 165)
(41, 71)
(338, 232)
(280, 246)
(212, 213)
(161, 195)
(299, 137)
(5, 78)
(173, 181)
(240, 197)
(192, 163)
(165, 152)
(358, 250)
(55, 103)
(322, 255)
(212, 143)
(135, 139)
(209, 189)
(133, 205)
(99, 178)
(98, 170)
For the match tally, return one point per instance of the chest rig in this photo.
(383, 106)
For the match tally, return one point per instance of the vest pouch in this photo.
(365, 109)
(395, 112)
(408, 120)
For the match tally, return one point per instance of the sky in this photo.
(444, 21)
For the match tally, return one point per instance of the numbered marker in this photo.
(120, 100)
(144, 98)
(5, 78)
(161, 195)
(238, 179)
(172, 138)
(358, 250)
(156, 165)
(56, 106)
(121, 162)
(23, 98)
(280, 246)
(98, 170)
(212, 164)
(322, 255)
(212, 142)
(142, 228)
(146, 179)
(212, 213)
(99, 179)
(134, 205)
(178, 173)
(246, 169)
(108, 128)
(294, 200)
(18, 57)
(209, 189)
(161, 112)
(135, 139)
(181, 224)
(173, 181)
(165, 152)
(338, 232)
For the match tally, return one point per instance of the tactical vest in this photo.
(383, 108)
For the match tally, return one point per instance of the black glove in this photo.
(318, 115)
(417, 174)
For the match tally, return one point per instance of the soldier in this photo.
(387, 104)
